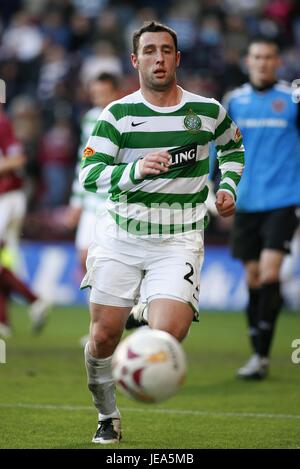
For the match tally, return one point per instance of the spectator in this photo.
(103, 59)
(57, 156)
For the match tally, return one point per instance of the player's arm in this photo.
(100, 173)
(230, 154)
(13, 157)
(12, 163)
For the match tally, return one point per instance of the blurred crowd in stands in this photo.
(51, 49)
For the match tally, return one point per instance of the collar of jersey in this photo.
(164, 109)
(263, 88)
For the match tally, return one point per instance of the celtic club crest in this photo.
(192, 122)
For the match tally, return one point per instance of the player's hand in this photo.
(225, 204)
(154, 163)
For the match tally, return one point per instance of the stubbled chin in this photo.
(160, 86)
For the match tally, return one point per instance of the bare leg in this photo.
(171, 316)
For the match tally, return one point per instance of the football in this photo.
(149, 365)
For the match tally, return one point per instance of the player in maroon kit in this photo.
(12, 210)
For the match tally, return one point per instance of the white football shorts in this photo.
(169, 268)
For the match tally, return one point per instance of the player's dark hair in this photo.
(105, 76)
(152, 27)
(263, 40)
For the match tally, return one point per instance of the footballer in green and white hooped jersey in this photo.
(170, 206)
(149, 151)
(102, 90)
(90, 204)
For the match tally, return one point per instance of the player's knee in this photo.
(269, 275)
(178, 331)
(182, 334)
(102, 337)
(253, 279)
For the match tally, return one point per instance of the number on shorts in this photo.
(189, 274)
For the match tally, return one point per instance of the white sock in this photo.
(101, 385)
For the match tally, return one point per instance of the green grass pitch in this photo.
(44, 401)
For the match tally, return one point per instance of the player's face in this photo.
(156, 60)
(263, 62)
(102, 93)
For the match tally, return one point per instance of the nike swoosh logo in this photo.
(137, 123)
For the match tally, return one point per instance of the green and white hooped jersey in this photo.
(172, 202)
(80, 197)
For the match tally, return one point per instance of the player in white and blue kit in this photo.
(268, 193)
